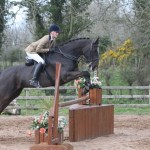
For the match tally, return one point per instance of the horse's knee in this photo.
(86, 74)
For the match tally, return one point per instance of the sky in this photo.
(20, 17)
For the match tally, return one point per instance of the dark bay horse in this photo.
(14, 79)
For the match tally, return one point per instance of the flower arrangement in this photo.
(95, 82)
(80, 83)
(41, 122)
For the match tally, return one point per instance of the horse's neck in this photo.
(74, 48)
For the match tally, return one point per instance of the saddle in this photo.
(29, 61)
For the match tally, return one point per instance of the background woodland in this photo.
(122, 25)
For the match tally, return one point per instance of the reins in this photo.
(74, 58)
(68, 56)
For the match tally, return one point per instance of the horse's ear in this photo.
(95, 44)
(96, 41)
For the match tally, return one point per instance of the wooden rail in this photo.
(116, 90)
(71, 102)
(117, 95)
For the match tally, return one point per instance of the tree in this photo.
(2, 21)
(68, 14)
(142, 40)
(120, 56)
(105, 42)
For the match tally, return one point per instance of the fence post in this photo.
(149, 94)
(27, 94)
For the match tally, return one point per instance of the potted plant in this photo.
(40, 125)
(95, 89)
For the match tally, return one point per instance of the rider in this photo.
(43, 45)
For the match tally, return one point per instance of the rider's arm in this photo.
(43, 42)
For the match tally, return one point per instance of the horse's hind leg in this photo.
(7, 96)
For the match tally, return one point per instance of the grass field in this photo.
(65, 111)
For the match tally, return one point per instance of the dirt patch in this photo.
(131, 132)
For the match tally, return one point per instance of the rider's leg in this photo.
(35, 79)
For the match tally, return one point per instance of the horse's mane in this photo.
(72, 40)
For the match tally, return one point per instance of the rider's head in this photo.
(54, 30)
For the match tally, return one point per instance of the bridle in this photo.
(74, 58)
(92, 59)
(71, 57)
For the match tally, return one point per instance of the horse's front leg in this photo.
(76, 74)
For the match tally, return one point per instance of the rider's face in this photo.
(54, 34)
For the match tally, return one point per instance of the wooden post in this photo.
(53, 118)
(95, 95)
(37, 137)
(80, 91)
(149, 94)
(52, 124)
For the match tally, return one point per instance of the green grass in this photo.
(132, 111)
(117, 111)
(125, 101)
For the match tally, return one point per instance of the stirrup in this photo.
(35, 83)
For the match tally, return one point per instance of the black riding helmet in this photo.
(55, 28)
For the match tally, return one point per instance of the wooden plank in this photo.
(86, 123)
(71, 102)
(43, 97)
(92, 117)
(37, 137)
(104, 87)
(95, 96)
(98, 120)
(82, 124)
(80, 95)
(73, 97)
(126, 96)
(71, 125)
(41, 137)
(95, 123)
(75, 125)
(56, 101)
(50, 122)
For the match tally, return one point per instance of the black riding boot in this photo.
(34, 81)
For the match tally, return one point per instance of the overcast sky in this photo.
(20, 17)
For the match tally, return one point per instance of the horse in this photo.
(14, 79)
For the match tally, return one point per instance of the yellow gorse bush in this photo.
(119, 54)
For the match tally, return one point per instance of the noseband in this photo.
(92, 59)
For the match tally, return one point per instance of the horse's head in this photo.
(92, 55)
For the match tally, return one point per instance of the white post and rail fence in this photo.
(118, 93)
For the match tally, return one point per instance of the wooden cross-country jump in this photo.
(51, 141)
(89, 119)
